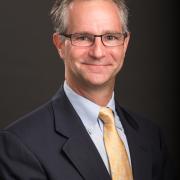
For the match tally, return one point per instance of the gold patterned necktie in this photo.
(118, 159)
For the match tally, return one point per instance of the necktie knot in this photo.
(106, 115)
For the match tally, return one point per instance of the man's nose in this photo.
(97, 50)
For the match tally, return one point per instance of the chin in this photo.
(97, 82)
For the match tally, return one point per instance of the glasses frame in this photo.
(69, 36)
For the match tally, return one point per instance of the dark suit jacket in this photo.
(52, 143)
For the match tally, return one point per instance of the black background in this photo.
(31, 71)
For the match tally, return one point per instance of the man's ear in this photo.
(59, 44)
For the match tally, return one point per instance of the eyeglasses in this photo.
(87, 40)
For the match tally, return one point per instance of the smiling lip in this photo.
(96, 65)
(96, 68)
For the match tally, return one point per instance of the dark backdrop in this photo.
(31, 72)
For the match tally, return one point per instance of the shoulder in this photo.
(139, 121)
(37, 128)
(32, 128)
(35, 120)
(145, 128)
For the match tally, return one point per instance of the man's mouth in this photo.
(96, 65)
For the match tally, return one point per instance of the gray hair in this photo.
(59, 14)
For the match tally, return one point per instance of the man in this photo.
(64, 139)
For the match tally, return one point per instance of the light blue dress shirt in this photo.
(88, 113)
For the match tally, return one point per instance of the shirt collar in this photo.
(87, 110)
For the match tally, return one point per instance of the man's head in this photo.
(92, 39)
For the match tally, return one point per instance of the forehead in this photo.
(95, 16)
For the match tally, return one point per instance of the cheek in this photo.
(118, 57)
(75, 54)
(73, 57)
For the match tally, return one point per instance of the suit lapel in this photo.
(79, 148)
(139, 148)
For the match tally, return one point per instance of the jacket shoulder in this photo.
(139, 121)
(32, 119)
(34, 126)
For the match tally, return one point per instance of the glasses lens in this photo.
(82, 39)
(113, 39)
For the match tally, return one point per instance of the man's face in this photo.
(94, 66)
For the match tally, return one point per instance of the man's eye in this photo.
(111, 37)
(83, 38)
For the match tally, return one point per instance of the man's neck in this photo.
(99, 95)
